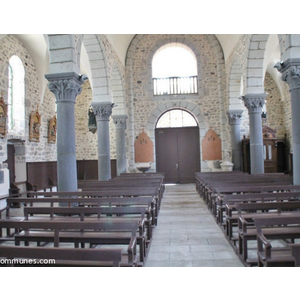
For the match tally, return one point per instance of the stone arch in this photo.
(235, 86)
(64, 53)
(100, 80)
(192, 108)
(255, 64)
(289, 46)
(117, 89)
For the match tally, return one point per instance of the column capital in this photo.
(234, 116)
(254, 102)
(120, 120)
(103, 110)
(65, 86)
(290, 70)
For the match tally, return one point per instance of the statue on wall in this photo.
(34, 126)
(3, 116)
(92, 125)
(52, 131)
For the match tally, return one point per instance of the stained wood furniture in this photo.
(275, 228)
(58, 257)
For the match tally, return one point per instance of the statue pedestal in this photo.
(226, 166)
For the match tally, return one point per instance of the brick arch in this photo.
(99, 80)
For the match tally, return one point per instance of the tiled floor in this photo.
(187, 234)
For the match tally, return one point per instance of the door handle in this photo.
(176, 166)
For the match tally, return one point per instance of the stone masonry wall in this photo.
(144, 102)
(274, 107)
(27, 151)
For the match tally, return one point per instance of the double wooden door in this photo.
(178, 153)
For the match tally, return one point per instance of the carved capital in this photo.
(234, 117)
(254, 102)
(290, 70)
(120, 121)
(102, 111)
(65, 86)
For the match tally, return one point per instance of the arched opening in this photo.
(177, 146)
(174, 70)
(16, 95)
(176, 118)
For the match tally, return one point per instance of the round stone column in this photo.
(102, 112)
(234, 117)
(65, 87)
(290, 70)
(120, 121)
(254, 104)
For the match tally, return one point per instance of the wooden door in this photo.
(178, 153)
(270, 156)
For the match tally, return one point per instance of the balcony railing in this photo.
(175, 85)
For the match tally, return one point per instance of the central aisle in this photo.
(187, 234)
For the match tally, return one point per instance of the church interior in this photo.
(190, 119)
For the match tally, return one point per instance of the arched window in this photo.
(176, 118)
(174, 70)
(16, 93)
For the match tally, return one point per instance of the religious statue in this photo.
(34, 126)
(52, 130)
(92, 120)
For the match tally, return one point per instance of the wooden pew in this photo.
(296, 254)
(209, 182)
(57, 257)
(250, 210)
(77, 232)
(147, 201)
(246, 215)
(104, 193)
(220, 204)
(140, 214)
(274, 228)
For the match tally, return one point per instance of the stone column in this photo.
(290, 70)
(120, 121)
(65, 87)
(234, 117)
(103, 112)
(255, 103)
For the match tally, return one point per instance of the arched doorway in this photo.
(177, 146)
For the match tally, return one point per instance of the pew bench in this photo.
(58, 257)
(97, 214)
(249, 198)
(77, 232)
(275, 228)
(248, 188)
(250, 210)
(246, 228)
(52, 200)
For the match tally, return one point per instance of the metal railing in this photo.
(175, 85)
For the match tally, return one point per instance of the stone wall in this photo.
(274, 107)
(144, 102)
(27, 151)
